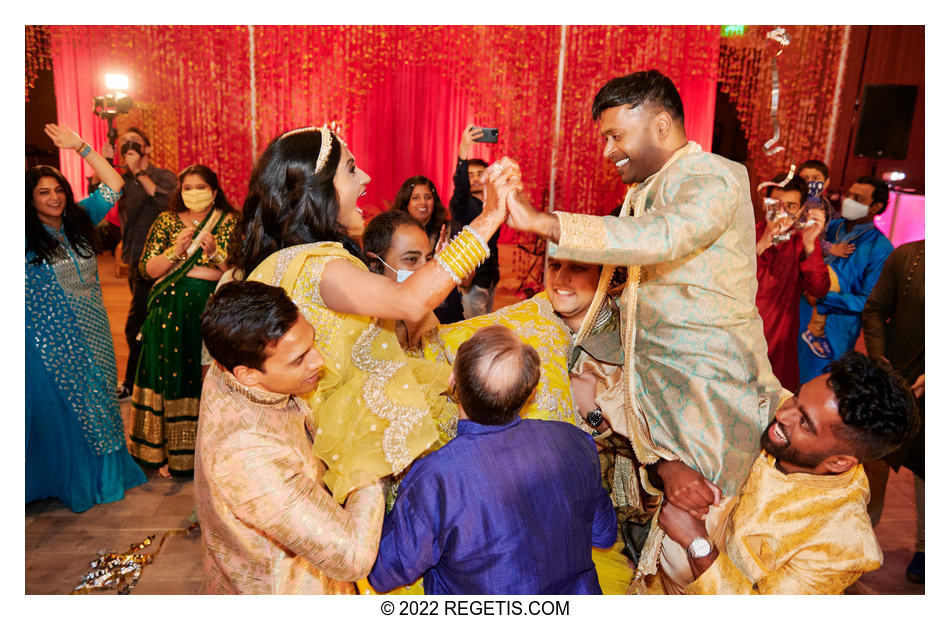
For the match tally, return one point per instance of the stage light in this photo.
(113, 103)
(117, 81)
(897, 175)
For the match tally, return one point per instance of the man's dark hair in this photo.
(141, 134)
(478, 162)
(242, 319)
(881, 192)
(650, 88)
(795, 184)
(378, 236)
(877, 409)
(495, 374)
(815, 164)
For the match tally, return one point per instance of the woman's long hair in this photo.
(177, 205)
(77, 226)
(439, 214)
(287, 204)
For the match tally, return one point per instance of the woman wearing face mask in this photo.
(374, 409)
(186, 251)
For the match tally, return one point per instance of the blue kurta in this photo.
(75, 441)
(857, 275)
(511, 509)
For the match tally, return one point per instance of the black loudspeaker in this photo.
(887, 111)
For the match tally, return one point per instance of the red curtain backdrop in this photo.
(402, 93)
(808, 71)
(189, 85)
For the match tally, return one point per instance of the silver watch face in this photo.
(699, 548)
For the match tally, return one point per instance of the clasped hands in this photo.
(504, 194)
(205, 239)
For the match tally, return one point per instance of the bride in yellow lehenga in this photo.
(375, 410)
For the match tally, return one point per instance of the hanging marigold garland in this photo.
(807, 67)
(37, 54)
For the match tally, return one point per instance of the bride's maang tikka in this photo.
(326, 143)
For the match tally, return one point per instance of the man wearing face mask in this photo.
(852, 277)
(144, 196)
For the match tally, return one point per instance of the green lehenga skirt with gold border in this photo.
(168, 378)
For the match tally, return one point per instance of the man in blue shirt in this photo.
(852, 277)
(509, 506)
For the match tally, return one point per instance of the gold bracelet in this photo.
(171, 255)
(461, 256)
(442, 263)
(219, 257)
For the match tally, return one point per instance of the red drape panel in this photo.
(189, 85)
(402, 93)
(808, 70)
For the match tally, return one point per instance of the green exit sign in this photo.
(733, 31)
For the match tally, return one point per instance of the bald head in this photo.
(495, 374)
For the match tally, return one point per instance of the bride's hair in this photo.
(287, 204)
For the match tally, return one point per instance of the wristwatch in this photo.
(595, 418)
(699, 548)
(139, 173)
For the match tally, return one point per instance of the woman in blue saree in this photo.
(75, 441)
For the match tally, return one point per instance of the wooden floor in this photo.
(60, 544)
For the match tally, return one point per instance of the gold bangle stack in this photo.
(171, 255)
(466, 252)
(219, 257)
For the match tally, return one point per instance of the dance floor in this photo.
(61, 544)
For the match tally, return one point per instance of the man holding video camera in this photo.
(144, 196)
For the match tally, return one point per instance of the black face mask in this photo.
(131, 146)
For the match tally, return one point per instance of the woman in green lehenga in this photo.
(186, 250)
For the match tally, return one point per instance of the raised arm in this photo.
(351, 290)
(65, 138)
(700, 211)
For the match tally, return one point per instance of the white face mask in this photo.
(401, 274)
(851, 209)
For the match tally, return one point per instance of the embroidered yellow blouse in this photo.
(795, 534)
(165, 229)
(374, 408)
(536, 323)
(268, 525)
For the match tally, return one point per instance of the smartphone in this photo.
(489, 134)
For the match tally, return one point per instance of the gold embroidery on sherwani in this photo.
(794, 534)
(268, 524)
(698, 386)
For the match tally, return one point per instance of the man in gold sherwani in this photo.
(801, 524)
(698, 388)
(268, 525)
